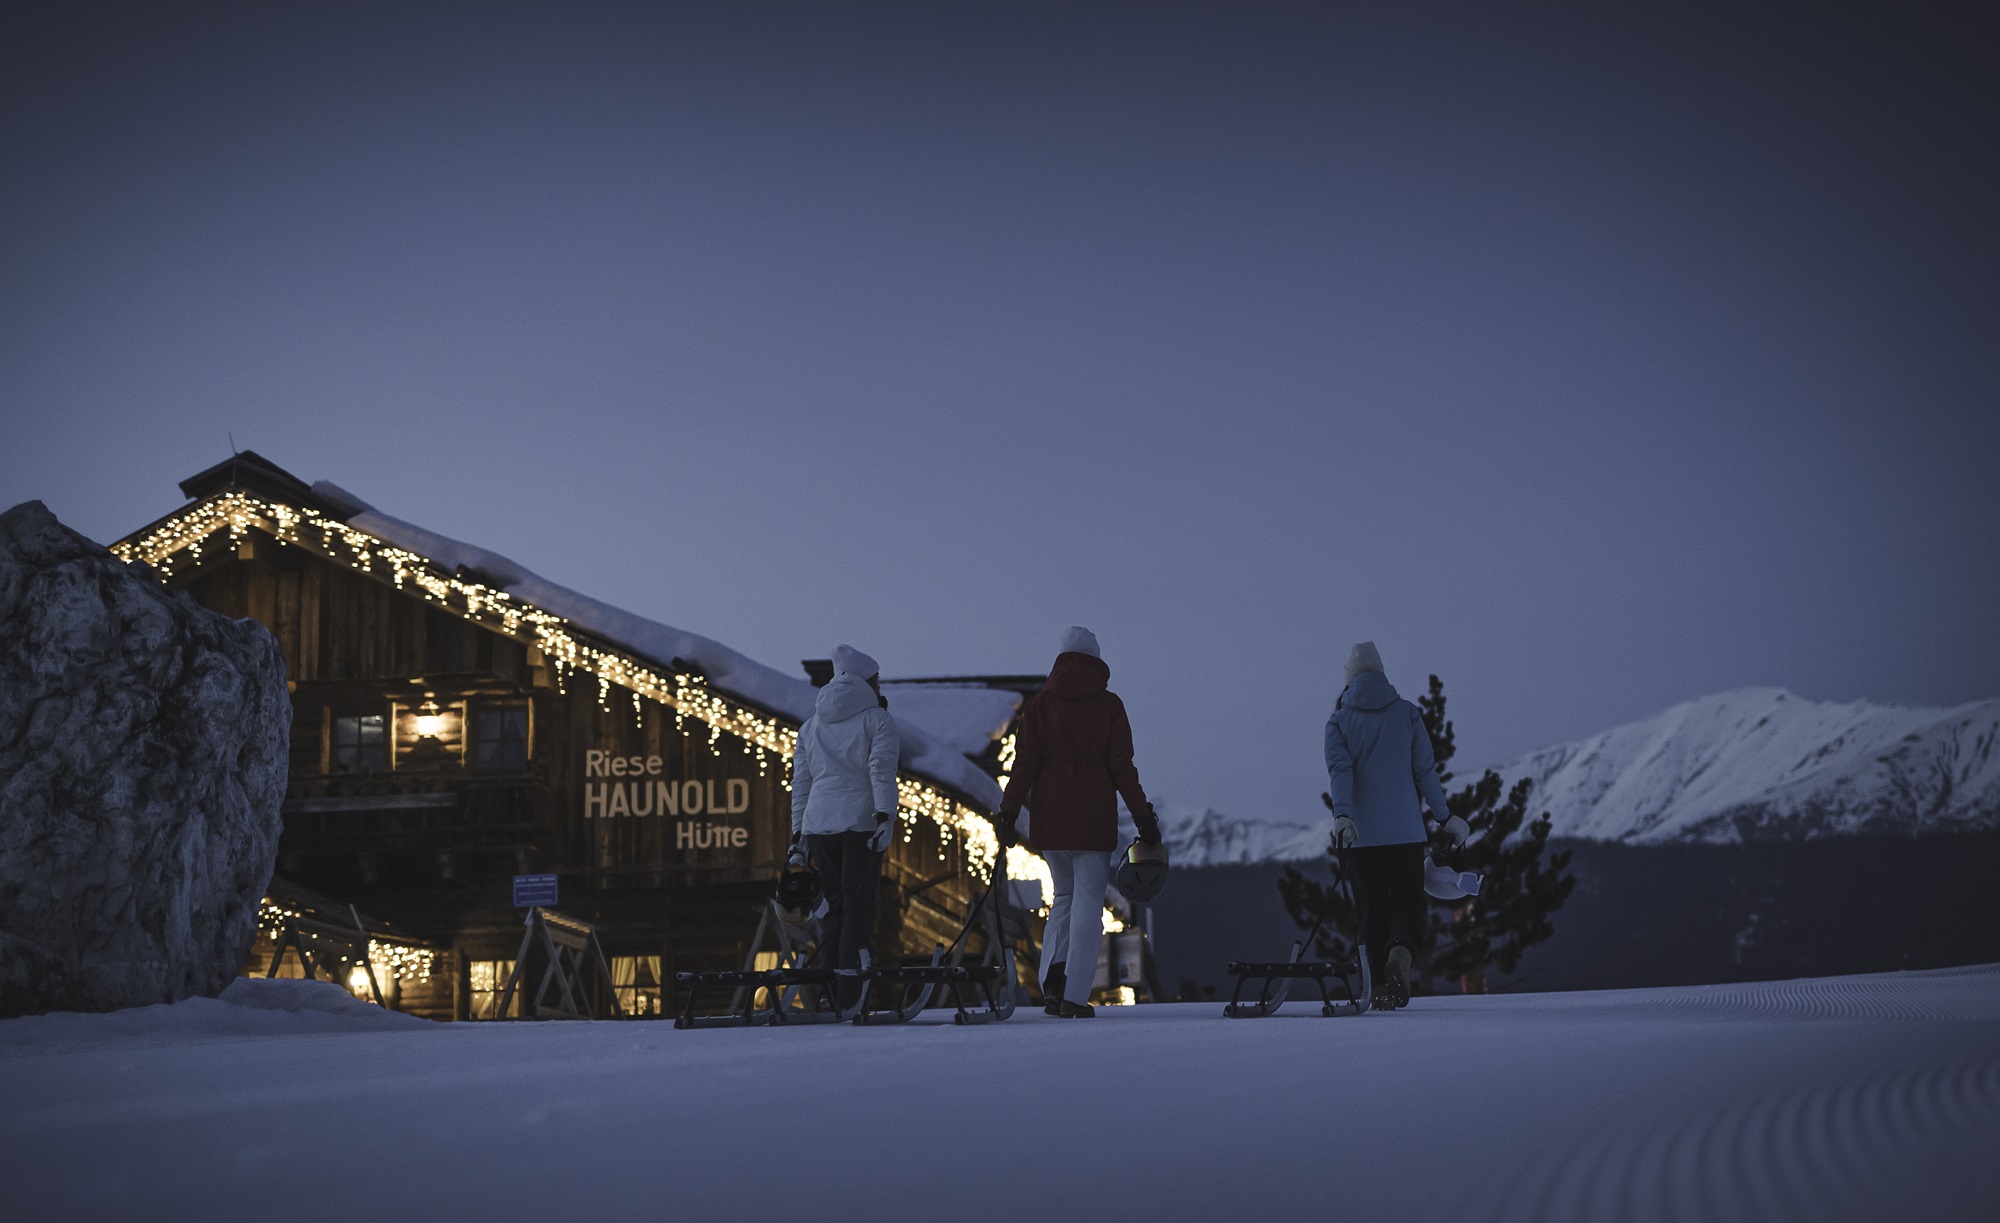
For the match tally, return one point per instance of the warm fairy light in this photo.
(402, 961)
(1113, 924)
(687, 695)
(1024, 865)
(272, 916)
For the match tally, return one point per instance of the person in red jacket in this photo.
(1073, 758)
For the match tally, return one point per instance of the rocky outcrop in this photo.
(142, 768)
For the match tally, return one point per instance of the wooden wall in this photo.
(696, 907)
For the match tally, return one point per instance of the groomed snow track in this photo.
(1856, 1098)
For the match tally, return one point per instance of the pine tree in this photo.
(1513, 909)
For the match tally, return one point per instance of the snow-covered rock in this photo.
(142, 768)
(1764, 764)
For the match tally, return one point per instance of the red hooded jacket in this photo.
(1072, 758)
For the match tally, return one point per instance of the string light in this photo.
(403, 961)
(271, 918)
(179, 538)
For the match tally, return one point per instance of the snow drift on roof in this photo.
(727, 671)
(966, 717)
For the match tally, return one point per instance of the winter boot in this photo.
(1052, 990)
(1076, 1010)
(1397, 970)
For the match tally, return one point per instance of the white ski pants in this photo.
(1076, 918)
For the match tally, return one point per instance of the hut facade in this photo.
(459, 722)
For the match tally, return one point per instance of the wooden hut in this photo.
(458, 722)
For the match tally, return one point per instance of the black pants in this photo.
(1389, 892)
(851, 873)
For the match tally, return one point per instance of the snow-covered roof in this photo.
(966, 717)
(925, 753)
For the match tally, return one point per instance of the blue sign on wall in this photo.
(534, 890)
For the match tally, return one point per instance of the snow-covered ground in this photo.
(1848, 1098)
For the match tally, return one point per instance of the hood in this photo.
(843, 697)
(1371, 690)
(1076, 677)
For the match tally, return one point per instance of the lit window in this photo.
(359, 745)
(503, 739)
(489, 977)
(637, 980)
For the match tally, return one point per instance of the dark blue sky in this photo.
(1592, 362)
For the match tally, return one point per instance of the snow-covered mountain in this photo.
(1207, 837)
(1763, 764)
(1755, 764)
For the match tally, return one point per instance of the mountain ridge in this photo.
(1750, 764)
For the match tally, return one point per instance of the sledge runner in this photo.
(1378, 758)
(844, 803)
(1073, 758)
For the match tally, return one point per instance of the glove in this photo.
(1344, 832)
(1003, 827)
(885, 827)
(797, 857)
(1455, 830)
(1148, 822)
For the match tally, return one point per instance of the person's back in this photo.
(1073, 758)
(844, 804)
(1079, 743)
(1388, 758)
(844, 768)
(1380, 770)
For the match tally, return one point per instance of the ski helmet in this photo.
(799, 894)
(1143, 873)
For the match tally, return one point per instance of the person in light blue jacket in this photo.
(844, 802)
(1381, 769)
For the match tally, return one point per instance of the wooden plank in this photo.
(287, 622)
(368, 654)
(437, 630)
(311, 647)
(262, 590)
(416, 636)
(339, 629)
(465, 655)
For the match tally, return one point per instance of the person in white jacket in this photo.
(844, 802)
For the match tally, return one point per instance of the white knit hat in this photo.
(1080, 641)
(849, 661)
(1363, 657)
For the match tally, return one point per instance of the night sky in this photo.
(1591, 361)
